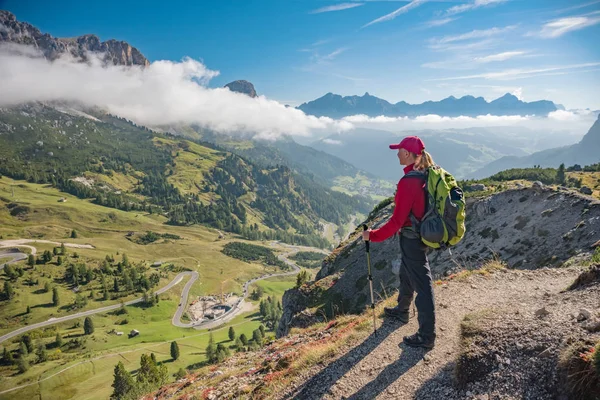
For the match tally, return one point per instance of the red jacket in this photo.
(410, 196)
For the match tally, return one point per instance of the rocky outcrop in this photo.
(527, 228)
(242, 86)
(114, 52)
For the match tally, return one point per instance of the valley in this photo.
(82, 367)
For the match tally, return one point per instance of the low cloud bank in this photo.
(167, 93)
(164, 93)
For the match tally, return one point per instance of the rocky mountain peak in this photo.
(242, 86)
(114, 52)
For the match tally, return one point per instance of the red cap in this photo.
(411, 143)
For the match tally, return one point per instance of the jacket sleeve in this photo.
(403, 201)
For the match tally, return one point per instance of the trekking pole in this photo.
(365, 228)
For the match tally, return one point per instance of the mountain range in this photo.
(586, 152)
(336, 106)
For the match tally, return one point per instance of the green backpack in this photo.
(443, 224)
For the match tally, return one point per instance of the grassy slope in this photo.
(105, 228)
(190, 165)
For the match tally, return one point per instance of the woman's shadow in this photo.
(320, 384)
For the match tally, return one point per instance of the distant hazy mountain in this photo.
(460, 151)
(115, 52)
(586, 152)
(336, 106)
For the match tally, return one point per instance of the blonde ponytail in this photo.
(423, 161)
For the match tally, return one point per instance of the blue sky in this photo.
(297, 50)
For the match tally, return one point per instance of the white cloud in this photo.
(563, 115)
(394, 14)
(519, 73)
(475, 34)
(433, 118)
(163, 93)
(381, 119)
(439, 22)
(580, 124)
(332, 141)
(464, 47)
(471, 6)
(499, 57)
(561, 26)
(336, 7)
(334, 53)
(518, 93)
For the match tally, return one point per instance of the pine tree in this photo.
(28, 342)
(174, 350)
(560, 174)
(63, 249)
(74, 234)
(231, 333)
(257, 336)
(58, 341)
(123, 383)
(23, 365)
(211, 349)
(55, 297)
(238, 343)
(7, 357)
(9, 292)
(31, 260)
(262, 330)
(47, 287)
(88, 326)
(41, 354)
(244, 339)
(180, 374)
(23, 350)
(28, 309)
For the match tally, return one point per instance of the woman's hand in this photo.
(366, 235)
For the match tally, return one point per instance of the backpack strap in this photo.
(422, 175)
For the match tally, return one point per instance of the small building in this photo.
(119, 333)
(62, 200)
(157, 264)
(133, 333)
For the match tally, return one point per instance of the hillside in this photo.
(528, 228)
(493, 343)
(124, 166)
(504, 317)
(587, 151)
(322, 167)
(336, 106)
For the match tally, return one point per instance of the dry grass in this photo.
(487, 268)
(579, 364)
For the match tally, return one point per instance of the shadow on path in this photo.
(408, 359)
(320, 383)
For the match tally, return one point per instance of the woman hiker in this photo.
(415, 275)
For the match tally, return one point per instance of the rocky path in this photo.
(382, 367)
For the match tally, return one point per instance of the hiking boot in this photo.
(396, 312)
(417, 340)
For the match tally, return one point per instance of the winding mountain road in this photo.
(176, 320)
(52, 321)
(238, 307)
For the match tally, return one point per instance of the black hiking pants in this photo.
(415, 276)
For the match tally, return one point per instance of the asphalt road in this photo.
(176, 320)
(52, 321)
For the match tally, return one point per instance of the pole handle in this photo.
(365, 228)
